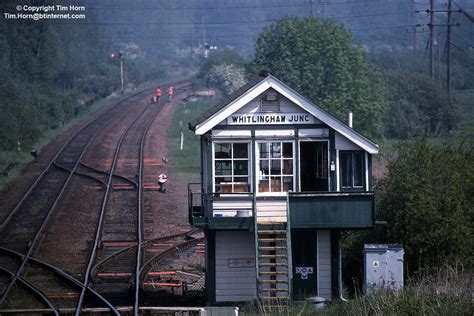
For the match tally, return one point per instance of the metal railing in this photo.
(202, 204)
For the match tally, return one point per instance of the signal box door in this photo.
(304, 257)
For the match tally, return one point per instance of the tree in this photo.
(228, 78)
(319, 59)
(50, 68)
(416, 106)
(223, 70)
(427, 202)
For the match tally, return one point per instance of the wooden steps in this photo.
(272, 261)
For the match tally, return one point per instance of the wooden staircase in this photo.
(272, 263)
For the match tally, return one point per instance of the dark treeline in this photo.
(394, 25)
(50, 69)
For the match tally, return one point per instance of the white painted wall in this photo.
(286, 106)
(271, 211)
(235, 283)
(342, 143)
(324, 263)
(233, 208)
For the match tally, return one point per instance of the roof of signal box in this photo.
(252, 89)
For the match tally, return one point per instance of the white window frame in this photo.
(257, 162)
(249, 159)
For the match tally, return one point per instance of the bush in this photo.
(427, 201)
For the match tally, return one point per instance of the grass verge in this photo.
(187, 160)
(447, 293)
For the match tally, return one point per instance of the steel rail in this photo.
(138, 259)
(7, 220)
(147, 266)
(85, 175)
(61, 274)
(134, 183)
(31, 288)
(144, 244)
(93, 254)
(32, 244)
(100, 222)
(38, 234)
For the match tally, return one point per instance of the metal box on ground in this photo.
(383, 267)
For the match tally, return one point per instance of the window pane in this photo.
(241, 184)
(263, 185)
(288, 166)
(346, 169)
(264, 168)
(223, 167)
(288, 150)
(264, 149)
(241, 179)
(275, 167)
(276, 150)
(223, 150)
(275, 183)
(223, 184)
(287, 184)
(241, 151)
(241, 167)
(358, 169)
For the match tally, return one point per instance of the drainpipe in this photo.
(340, 269)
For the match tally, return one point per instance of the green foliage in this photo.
(447, 293)
(225, 56)
(50, 70)
(228, 78)
(462, 73)
(427, 201)
(224, 70)
(465, 128)
(417, 106)
(403, 61)
(463, 69)
(319, 59)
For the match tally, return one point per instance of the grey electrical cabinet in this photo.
(383, 267)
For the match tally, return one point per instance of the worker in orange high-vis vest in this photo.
(158, 94)
(170, 92)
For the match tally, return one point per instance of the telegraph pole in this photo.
(432, 72)
(448, 39)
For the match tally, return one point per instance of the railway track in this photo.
(121, 225)
(16, 254)
(23, 228)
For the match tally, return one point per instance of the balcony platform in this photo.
(224, 223)
(351, 210)
(320, 210)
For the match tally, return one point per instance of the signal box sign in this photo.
(270, 118)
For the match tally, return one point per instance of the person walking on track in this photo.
(158, 94)
(170, 92)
